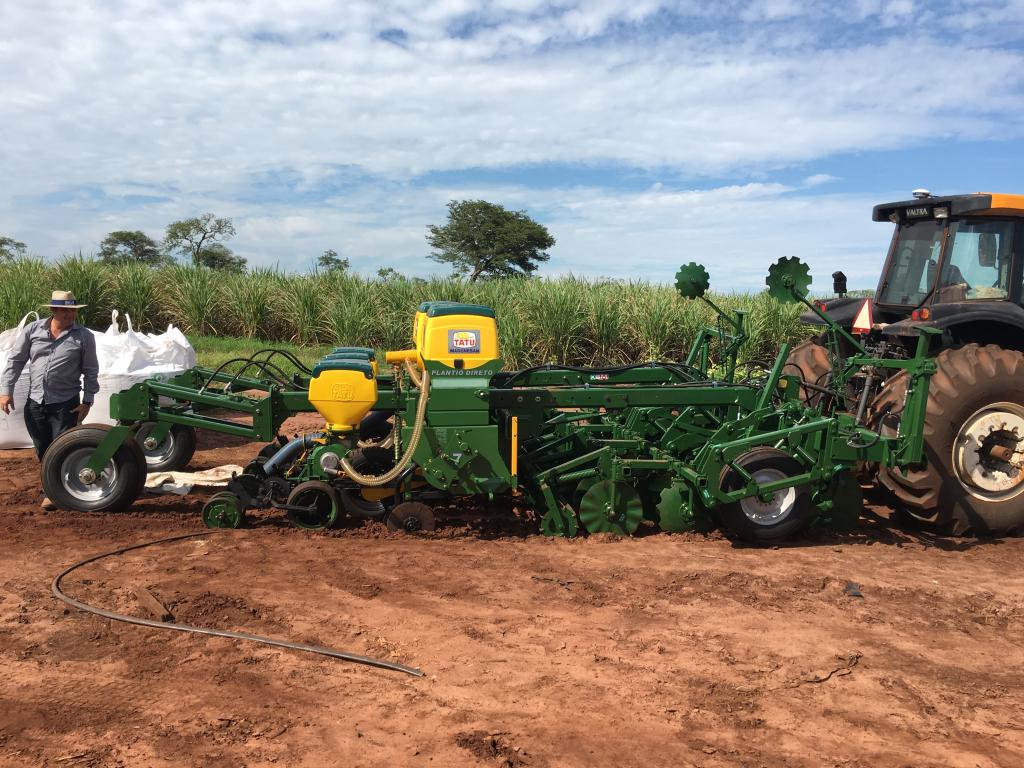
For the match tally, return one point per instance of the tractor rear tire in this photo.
(810, 361)
(975, 406)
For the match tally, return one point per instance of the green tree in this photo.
(219, 256)
(122, 247)
(10, 248)
(387, 273)
(192, 238)
(331, 262)
(482, 239)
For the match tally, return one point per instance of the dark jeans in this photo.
(46, 422)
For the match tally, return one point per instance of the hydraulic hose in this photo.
(289, 450)
(323, 651)
(375, 481)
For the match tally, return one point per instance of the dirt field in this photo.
(655, 651)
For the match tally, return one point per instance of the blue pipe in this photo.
(288, 451)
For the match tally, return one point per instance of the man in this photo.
(61, 355)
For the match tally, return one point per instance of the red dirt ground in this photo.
(662, 650)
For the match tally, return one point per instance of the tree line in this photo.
(479, 240)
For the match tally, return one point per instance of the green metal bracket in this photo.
(107, 448)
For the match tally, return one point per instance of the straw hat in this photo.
(63, 300)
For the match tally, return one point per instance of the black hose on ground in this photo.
(343, 655)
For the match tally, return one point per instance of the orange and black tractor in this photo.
(956, 264)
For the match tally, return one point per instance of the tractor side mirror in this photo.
(839, 284)
(987, 249)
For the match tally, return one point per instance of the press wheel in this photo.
(223, 510)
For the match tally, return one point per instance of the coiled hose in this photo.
(333, 652)
(375, 481)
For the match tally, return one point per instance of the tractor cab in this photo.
(949, 250)
(954, 262)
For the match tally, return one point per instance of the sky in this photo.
(643, 134)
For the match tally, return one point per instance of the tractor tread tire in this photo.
(810, 361)
(967, 378)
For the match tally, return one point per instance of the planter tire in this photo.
(171, 454)
(120, 483)
(786, 514)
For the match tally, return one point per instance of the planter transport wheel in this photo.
(70, 484)
(771, 516)
(170, 454)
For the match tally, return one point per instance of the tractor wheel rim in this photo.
(983, 474)
(73, 464)
(777, 507)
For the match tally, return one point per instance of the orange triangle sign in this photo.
(862, 323)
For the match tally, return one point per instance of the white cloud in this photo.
(818, 179)
(197, 105)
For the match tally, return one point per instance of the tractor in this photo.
(954, 265)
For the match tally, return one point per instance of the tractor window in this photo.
(912, 269)
(978, 265)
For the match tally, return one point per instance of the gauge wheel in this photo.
(367, 461)
(973, 443)
(172, 453)
(321, 502)
(773, 516)
(69, 484)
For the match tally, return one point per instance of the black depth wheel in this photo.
(68, 483)
(321, 501)
(782, 514)
(974, 443)
(172, 453)
(411, 516)
(367, 461)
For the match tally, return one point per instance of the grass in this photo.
(211, 351)
(572, 320)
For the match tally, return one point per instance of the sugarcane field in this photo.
(512, 383)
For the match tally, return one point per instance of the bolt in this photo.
(87, 476)
(150, 443)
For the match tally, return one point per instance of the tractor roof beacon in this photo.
(955, 263)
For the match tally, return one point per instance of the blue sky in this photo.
(644, 134)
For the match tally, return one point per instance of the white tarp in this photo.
(181, 483)
(125, 358)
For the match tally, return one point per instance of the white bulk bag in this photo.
(125, 358)
(129, 357)
(13, 433)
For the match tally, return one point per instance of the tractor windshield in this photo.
(975, 265)
(912, 267)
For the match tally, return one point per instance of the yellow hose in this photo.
(375, 481)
